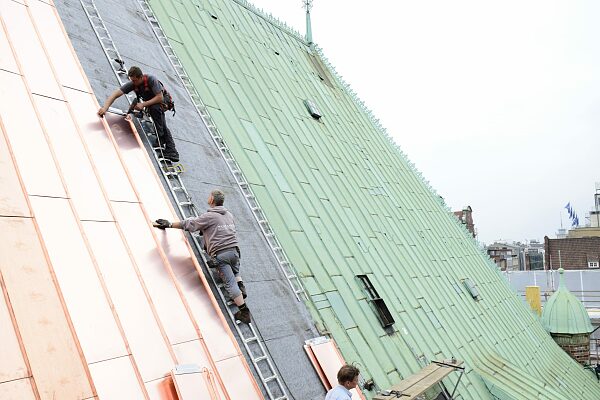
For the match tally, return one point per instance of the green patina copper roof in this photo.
(344, 201)
(564, 313)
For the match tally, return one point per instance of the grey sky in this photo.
(497, 103)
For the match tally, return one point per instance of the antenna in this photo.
(308, 6)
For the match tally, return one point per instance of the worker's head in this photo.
(135, 75)
(216, 198)
(347, 376)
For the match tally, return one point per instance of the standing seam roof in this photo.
(343, 200)
(97, 307)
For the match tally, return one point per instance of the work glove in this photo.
(162, 223)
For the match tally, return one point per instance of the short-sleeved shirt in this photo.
(154, 88)
(339, 393)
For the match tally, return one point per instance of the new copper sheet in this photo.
(7, 61)
(154, 272)
(12, 363)
(26, 139)
(172, 241)
(37, 308)
(191, 353)
(86, 302)
(103, 153)
(82, 185)
(238, 382)
(115, 379)
(12, 198)
(57, 45)
(162, 389)
(148, 347)
(331, 361)
(17, 390)
(317, 367)
(29, 51)
(197, 385)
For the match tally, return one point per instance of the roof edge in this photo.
(272, 20)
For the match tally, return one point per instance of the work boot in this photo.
(243, 314)
(173, 157)
(243, 289)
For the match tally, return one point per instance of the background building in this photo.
(465, 216)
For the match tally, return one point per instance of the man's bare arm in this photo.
(114, 95)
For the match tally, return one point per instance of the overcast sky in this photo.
(496, 102)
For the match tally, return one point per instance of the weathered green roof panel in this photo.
(344, 201)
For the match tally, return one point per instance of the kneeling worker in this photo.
(218, 228)
(149, 89)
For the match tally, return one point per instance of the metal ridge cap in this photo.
(273, 20)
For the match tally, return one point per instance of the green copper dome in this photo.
(564, 313)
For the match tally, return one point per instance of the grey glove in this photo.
(162, 223)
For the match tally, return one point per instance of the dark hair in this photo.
(218, 197)
(347, 374)
(135, 72)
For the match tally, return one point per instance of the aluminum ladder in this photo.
(261, 359)
(282, 259)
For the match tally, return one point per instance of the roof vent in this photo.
(385, 317)
(472, 289)
(312, 109)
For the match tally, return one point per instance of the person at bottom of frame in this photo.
(217, 227)
(347, 378)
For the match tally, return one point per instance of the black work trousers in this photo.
(163, 132)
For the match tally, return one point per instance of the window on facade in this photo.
(383, 313)
(592, 264)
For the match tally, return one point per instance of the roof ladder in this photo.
(284, 264)
(171, 173)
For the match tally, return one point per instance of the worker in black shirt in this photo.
(150, 90)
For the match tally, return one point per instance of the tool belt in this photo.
(212, 260)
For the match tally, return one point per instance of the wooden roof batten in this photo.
(418, 383)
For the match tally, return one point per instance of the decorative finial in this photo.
(308, 6)
(561, 278)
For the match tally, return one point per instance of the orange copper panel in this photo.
(37, 308)
(154, 272)
(148, 347)
(192, 353)
(86, 302)
(103, 153)
(115, 379)
(142, 173)
(29, 52)
(317, 367)
(26, 139)
(239, 384)
(172, 241)
(17, 390)
(7, 61)
(13, 364)
(57, 47)
(76, 168)
(331, 361)
(193, 382)
(12, 199)
(162, 389)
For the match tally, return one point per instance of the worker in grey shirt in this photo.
(218, 228)
(149, 89)
(347, 378)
